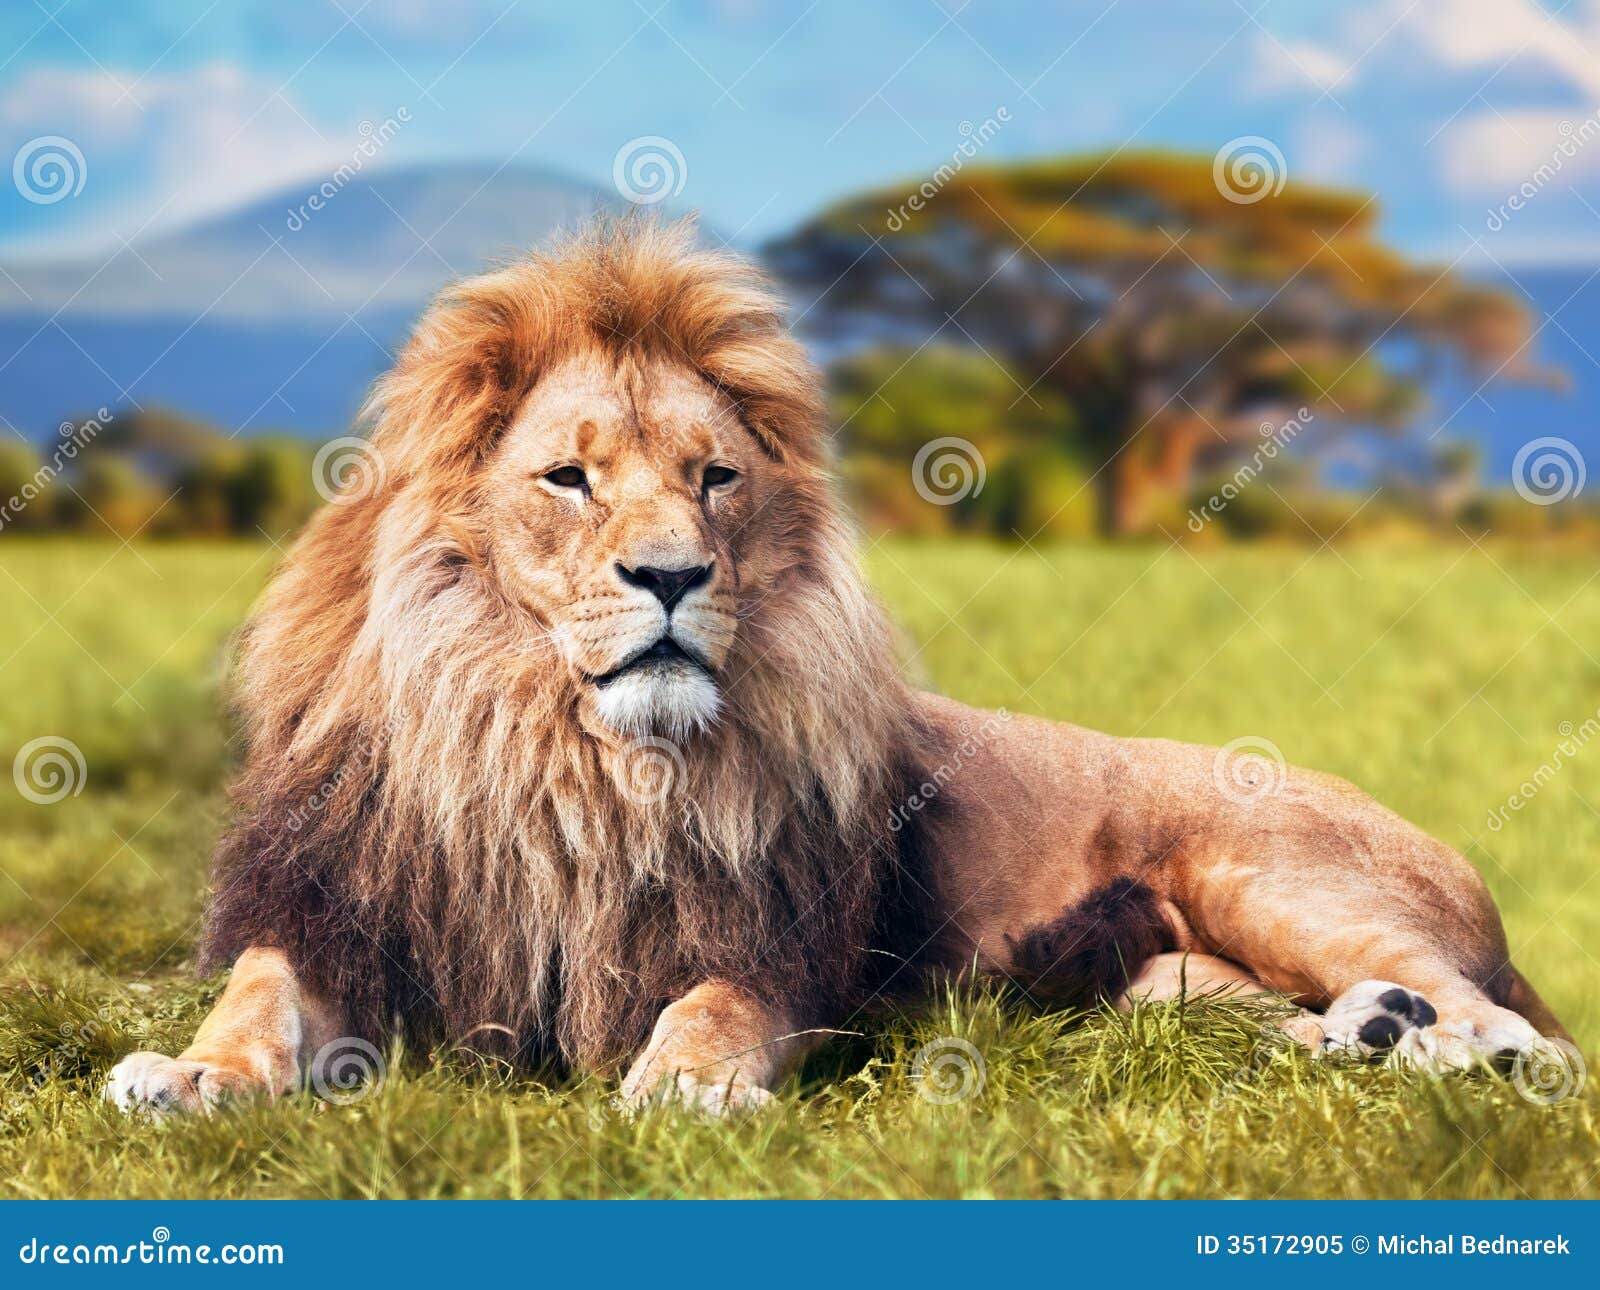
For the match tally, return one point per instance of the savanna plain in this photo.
(1446, 679)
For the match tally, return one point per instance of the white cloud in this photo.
(1297, 64)
(188, 144)
(1455, 35)
(1497, 152)
(1330, 148)
(1486, 33)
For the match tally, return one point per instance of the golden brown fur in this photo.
(441, 825)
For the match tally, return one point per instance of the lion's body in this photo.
(580, 720)
(1302, 878)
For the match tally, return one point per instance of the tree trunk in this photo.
(1121, 492)
(1133, 471)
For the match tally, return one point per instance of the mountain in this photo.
(272, 316)
(382, 241)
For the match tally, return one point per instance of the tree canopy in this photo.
(1174, 307)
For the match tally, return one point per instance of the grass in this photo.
(1438, 678)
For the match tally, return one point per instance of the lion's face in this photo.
(620, 508)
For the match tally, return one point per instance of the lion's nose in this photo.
(669, 586)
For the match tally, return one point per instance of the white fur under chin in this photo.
(675, 702)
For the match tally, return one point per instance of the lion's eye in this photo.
(719, 476)
(567, 477)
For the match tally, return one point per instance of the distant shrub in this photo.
(157, 472)
(1010, 464)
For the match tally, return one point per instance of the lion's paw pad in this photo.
(1372, 1017)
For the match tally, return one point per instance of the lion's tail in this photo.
(1094, 949)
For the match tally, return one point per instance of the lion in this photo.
(573, 736)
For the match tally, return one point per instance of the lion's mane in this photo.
(421, 823)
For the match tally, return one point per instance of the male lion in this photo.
(574, 735)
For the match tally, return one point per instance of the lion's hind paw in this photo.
(1372, 1017)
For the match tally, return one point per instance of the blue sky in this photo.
(1443, 107)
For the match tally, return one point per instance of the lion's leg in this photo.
(1170, 976)
(717, 1049)
(1395, 952)
(258, 1039)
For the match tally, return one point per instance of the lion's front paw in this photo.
(160, 1084)
(729, 1097)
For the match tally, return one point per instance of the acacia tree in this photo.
(1175, 307)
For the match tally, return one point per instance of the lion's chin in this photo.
(672, 701)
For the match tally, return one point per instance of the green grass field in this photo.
(1437, 678)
